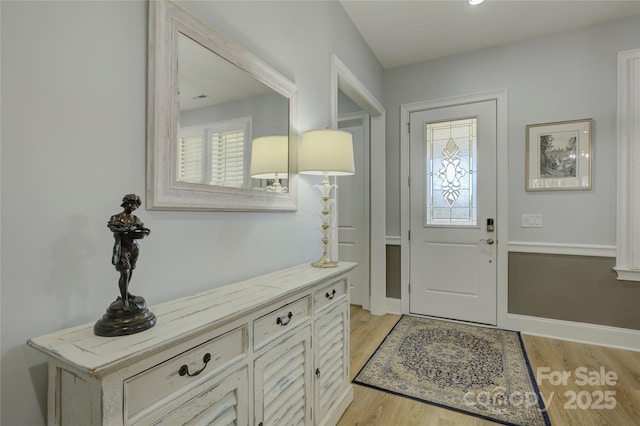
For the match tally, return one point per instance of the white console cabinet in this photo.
(272, 350)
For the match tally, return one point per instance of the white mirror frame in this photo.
(164, 192)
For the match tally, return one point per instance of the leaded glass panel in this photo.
(451, 175)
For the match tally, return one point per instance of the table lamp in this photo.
(326, 152)
(270, 160)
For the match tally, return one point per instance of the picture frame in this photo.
(559, 156)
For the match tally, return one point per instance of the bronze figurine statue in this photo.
(127, 230)
(128, 314)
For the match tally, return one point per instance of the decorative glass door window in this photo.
(451, 175)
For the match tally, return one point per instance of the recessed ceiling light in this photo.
(475, 2)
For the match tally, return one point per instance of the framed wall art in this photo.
(559, 156)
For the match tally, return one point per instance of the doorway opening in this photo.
(343, 80)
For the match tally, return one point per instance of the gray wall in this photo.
(346, 104)
(567, 76)
(393, 271)
(269, 114)
(572, 288)
(73, 143)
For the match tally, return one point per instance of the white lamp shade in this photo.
(326, 151)
(269, 156)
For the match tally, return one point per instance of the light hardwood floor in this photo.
(372, 407)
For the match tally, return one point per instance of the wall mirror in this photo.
(208, 99)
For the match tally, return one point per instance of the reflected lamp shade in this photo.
(326, 151)
(269, 157)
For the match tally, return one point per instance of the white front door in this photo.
(453, 212)
(353, 209)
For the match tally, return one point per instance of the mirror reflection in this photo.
(222, 110)
(208, 99)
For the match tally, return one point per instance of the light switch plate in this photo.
(531, 220)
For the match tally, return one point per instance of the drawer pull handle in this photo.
(185, 368)
(331, 295)
(285, 319)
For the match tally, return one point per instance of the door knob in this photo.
(488, 241)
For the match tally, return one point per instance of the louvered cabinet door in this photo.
(332, 360)
(225, 403)
(283, 382)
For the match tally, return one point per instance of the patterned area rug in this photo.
(479, 371)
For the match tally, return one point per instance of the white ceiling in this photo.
(207, 79)
(406, 32)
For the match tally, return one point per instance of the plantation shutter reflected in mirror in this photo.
(190, 159)
(221, 161)
(227, 158)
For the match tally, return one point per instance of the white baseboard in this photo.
(394, 306)
(627, 274)
(593, 334)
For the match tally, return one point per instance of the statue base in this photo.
(119, 322)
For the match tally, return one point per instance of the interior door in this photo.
(453, 205)
(353, 209)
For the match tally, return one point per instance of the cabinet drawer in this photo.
(167, 380)
(329, 294)
(278, 322)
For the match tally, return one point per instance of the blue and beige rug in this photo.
(479, 371)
